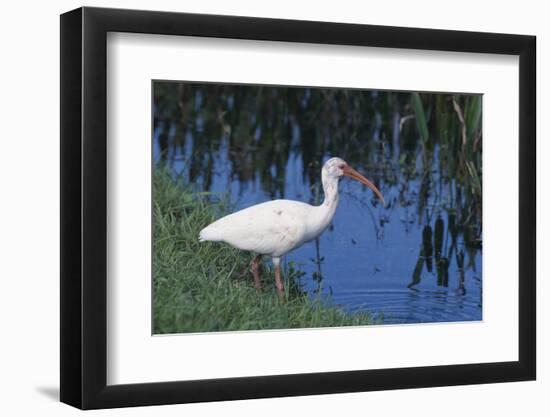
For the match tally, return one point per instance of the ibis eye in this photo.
(341, 166)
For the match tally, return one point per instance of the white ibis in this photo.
(276, 227)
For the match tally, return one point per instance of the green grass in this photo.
(205, 287)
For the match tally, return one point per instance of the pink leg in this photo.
(278, 280)
(256, 271)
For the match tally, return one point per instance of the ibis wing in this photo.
(271, 228)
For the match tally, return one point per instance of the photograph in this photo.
(268, 209)
(295, 207)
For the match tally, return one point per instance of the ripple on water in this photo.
(411, 306)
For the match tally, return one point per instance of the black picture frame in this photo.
(84, 207)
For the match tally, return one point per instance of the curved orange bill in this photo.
(350, 172)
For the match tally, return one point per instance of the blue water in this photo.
(367, 257)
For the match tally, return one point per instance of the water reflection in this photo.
(419, 259)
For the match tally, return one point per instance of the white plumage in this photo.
(272, 228)
(276, 227)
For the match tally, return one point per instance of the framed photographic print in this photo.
(257, 208)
